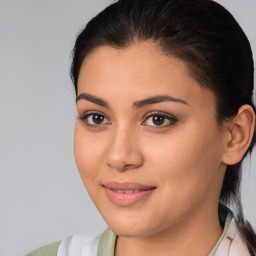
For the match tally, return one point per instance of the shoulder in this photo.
(85, 244)
(81, 244)
(48, 250)
(233, 243)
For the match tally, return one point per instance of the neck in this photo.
(195, 235)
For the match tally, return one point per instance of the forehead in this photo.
(139, 70)
(138, 59)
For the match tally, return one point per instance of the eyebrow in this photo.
(135, 105)
(157, 99)
(92, 99)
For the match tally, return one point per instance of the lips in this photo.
(127, 193)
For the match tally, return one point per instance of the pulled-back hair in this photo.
(204, 35)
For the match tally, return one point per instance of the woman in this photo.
(165, 117)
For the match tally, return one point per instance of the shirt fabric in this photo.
(230, 243)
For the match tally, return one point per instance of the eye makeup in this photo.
(153, 119)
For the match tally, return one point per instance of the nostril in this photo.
(118, 167)
(123, 167)
(123, 157)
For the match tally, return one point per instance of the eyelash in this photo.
(172, 120)
(85, 117)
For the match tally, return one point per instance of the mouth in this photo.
(127, 193)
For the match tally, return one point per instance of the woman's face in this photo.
(147, 144)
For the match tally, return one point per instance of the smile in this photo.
(127, 194)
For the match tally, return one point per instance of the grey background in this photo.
(42, 198)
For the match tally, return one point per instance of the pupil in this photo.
(158, 120)
(98, 119)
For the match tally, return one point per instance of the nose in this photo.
(123, 151)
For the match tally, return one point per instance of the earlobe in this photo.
(240, 133)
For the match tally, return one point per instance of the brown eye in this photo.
(94, 119)
(97, 118)
(160, 120)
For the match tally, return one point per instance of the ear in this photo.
(240, 133)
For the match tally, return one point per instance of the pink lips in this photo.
(127, 193)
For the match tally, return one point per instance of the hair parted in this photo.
(204, 35)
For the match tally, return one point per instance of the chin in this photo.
(130, 227)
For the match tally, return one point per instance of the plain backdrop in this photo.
(42, 198)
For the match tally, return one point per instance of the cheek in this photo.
(188, 157)
(87, 153)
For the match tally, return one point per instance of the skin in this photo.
(185, 158)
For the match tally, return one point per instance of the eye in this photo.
(160, 120)
(94, 119)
